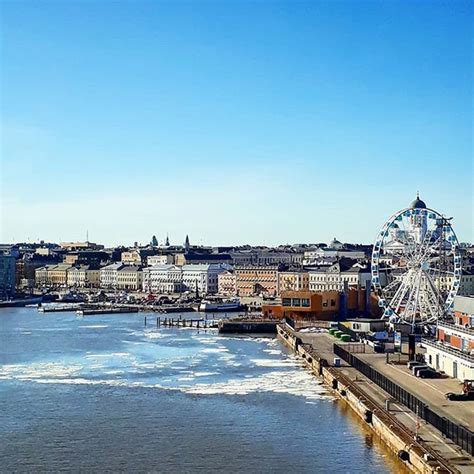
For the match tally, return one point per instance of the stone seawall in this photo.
(396, 436)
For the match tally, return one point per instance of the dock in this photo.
(374, 391)
(105, 310)
(248, 326)
(186, 323)
(59, 308)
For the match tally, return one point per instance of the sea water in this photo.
(105, 393)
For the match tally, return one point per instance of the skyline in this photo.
(259, 123)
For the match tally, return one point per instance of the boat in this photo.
(19, 302)
(70, 297)
(220, 305)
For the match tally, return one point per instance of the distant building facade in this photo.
(226, 283)
(251, 280)
(7, 274)
(335, 276)
(129, 277)
(83, 276)
(108, 275)
(296, 280)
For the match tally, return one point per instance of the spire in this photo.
(154, 241)
(167, 242)
(186, 244)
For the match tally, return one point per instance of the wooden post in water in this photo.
(158, 322)
(145, 321)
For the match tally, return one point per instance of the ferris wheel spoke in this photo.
(392, 285)
(400, 295)
(434, 296)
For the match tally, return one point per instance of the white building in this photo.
(333, 277)
(192, 277)
(160, 260)
(108, 275)
(453, 350)
(83, 276)
(203, 277)
(129, 277)
(162, 279)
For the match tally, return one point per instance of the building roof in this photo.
(130, 269)
(163, 267)
(113, 266)
(190, 256)
(464, 304)
(418, 203)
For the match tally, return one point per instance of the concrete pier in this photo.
(416, 445)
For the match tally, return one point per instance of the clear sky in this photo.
(235, 122)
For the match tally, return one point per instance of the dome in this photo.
(418, 203)
(334, 244)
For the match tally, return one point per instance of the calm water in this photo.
(103, 393)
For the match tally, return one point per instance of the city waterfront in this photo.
(106, 393)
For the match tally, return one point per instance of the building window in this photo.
(286, 301)
(296, 302)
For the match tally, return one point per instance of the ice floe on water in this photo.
(276, 362)
(299, 383)
(214, 350)
(205, 368)
(93, 326)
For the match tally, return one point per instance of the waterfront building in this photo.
(293, 280)
(7, 274)
(83, 276)
(52, 275)
(252, 280)
(129, 277)
(453, 351)
(202, 277)
(333, 277)
(226, 283)
(320, 305)
(159, 260)
(162, 278)
(108, 275)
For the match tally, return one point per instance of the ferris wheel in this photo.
(416, 265)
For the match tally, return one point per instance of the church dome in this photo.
(418, 203)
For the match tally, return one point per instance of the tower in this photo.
(167, 243)
(418, 219)
(154, 241)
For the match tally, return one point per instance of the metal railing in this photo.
(460, 435)
(450, 350)
(456, 327)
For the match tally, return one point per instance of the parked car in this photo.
(428, 373)
(417, 368)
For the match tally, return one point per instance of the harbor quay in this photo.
(419, 445)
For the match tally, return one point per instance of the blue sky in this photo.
(235, 122)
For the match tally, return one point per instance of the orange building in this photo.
(321, 305)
